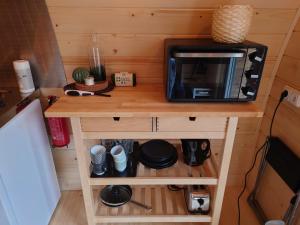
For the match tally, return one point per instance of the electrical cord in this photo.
(263, 148)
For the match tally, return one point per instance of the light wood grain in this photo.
(153, 135)
(186, 124)
(178, 174)
(286, 127)
(174, 210)
(84, 171)
(117, 124)
(289, 71)
(127, 102)
(223, 170)
(153, 21)
(70, 210)
(292, 4)
(143, 45)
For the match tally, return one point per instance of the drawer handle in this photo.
(116, 118)
(192, 118)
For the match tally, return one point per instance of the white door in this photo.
(30, 190)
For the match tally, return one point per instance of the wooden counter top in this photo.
(144, 101)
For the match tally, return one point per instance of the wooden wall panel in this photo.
(158, 21)
(286, 127)
(143, 45)
(288, 4)
(131, 35)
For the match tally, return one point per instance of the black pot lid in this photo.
(115, 195)
(158, 151)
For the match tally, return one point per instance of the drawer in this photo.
(191, 124)
(115, 124)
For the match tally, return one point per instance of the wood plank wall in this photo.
(131, 34)
(286, 127)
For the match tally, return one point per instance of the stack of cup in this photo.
(119, 156)
(98, 157)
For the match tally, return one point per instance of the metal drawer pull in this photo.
(192, 118)
(116, 118)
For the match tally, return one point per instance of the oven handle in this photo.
(209, 55)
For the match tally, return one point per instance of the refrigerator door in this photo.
(29, 190)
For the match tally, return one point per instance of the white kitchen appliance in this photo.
(29, 190)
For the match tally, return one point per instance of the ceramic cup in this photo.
(118, 153)
(98, 158)
(120, 165)
(119, 156)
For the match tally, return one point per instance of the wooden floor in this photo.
(70, 210)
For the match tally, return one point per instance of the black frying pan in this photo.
(117, 195)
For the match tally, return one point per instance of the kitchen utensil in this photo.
(131, 168)
(120, 165)
(98, 157)
(158, 154)
(118, 153)
(119, 156)
(195, 151)
(197, 199)
(118, 195)
(127, 145)
(108, 143)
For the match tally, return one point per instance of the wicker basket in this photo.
(231, 23)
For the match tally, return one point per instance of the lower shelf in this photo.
(152, 219)
(167, 206)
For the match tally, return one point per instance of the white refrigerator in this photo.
(29, 190)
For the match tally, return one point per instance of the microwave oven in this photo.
(201, 70)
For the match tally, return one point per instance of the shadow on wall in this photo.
(27, 33)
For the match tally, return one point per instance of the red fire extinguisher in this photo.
(58, 127)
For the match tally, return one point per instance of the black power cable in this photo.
(264, 147)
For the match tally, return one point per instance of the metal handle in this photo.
(209, 54)
(116, 118)
(141, 205)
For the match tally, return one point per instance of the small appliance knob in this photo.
(248, 91)
(250, 74)
(255, 57)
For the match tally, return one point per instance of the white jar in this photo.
(24, 76)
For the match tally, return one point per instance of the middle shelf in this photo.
(179, 173)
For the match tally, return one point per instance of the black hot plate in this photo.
(158, 154)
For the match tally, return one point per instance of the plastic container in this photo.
(24, 76)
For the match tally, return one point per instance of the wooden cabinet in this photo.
(151, 118)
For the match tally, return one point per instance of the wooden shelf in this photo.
(144, 101)
(179, 173)
(167, 206)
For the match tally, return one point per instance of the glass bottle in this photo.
(97, 69)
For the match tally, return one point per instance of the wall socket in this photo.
(293, 96)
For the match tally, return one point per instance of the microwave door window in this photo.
(202, 78)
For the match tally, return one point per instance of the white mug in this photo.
(118, 153)
(120, 165)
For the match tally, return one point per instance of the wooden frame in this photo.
(215, 178)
